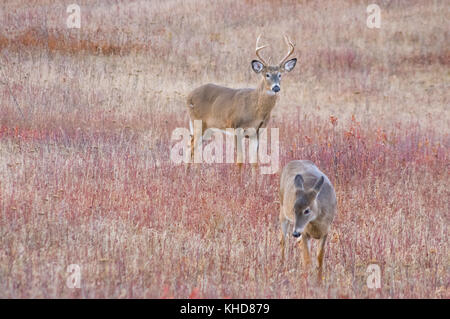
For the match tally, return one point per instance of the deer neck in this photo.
(266, 99)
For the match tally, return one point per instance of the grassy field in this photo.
(86, 117)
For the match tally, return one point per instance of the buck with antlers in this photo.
(221, 107)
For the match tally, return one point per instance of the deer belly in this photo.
(248, 124)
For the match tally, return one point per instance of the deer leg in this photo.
(196, 146)
(196, 143)
(253, 148)
(192, 148)
(239, 152)
(284, 226)
(304, 242)
(191, 131)
(240, 134)
(320, 255)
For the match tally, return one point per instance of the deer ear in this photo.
(257, 66)
(298, 181)
(318, 185)
(289, 65)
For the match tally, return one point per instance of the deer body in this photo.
(308, 200)
(220, 107)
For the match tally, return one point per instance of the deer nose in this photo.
(296, 234)
(276, 88)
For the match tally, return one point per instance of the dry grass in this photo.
(85, 175)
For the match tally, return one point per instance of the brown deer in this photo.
(308, 201)
(220, 107)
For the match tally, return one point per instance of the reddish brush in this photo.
(86, 176)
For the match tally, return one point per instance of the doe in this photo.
(308, 200)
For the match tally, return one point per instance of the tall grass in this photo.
(85, 174)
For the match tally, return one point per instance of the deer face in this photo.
(272, 74)
(304, 206)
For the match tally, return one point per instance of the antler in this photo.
(291, 50)
(260, 48)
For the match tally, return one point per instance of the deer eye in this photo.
(279, 75)
(267, 75)
(307, 211)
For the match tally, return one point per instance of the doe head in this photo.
(304, 208)
(272, 73)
